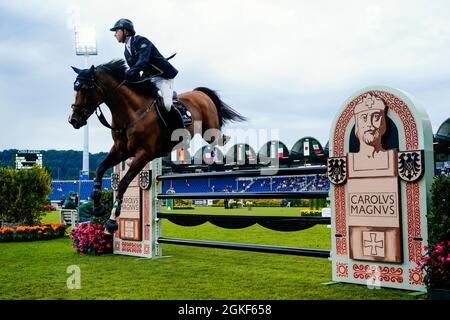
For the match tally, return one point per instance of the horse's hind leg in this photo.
(211, 131)
(138, 163)
(113, 158)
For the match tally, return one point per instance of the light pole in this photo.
(85, 45)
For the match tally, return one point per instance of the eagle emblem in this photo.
(410, 165)
(115, 178)
(144, 179)
(337, 169)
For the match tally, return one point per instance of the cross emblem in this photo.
(369, 102)
(373, 244)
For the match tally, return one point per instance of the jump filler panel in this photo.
(380, 167)
(138, 227)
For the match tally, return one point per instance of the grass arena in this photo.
(327, 258)
(38, 270)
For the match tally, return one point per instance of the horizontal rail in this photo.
(316, 220)
(267, 173)
(277, 223)
(248, 247)
(246, 195)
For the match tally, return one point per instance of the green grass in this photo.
(37, 270)
(257, 211)
(51, 217)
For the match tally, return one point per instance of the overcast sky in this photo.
(286, 65)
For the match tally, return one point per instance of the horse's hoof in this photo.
(116, 211)
(99, 211)
(111, 226)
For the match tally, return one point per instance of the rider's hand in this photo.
(131, 76)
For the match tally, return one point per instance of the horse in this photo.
(136, 128)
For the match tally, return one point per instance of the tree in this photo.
(23, 193)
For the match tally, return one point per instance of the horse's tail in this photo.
(226, 113)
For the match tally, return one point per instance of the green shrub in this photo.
(439, 214)
(182, 202)
(273, 203)
(299, 202)
(23, 193)
(256, 202)
(310, 213)
(436, 262)
(218, 203)
(316, 204)
(107, 201)
(183, 208)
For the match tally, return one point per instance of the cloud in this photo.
(287, 65)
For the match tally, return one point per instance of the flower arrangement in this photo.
(48, 207)
(436, 261)
(6, 234)
(30, 233)
(436, 264)
(91, 239)
(310, 213)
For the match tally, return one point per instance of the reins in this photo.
(98, 111)
(101, 116)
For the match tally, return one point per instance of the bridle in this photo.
(92, 84)
(86, 110)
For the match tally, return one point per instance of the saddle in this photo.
(178, 117)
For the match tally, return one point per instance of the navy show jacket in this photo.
(146, 57)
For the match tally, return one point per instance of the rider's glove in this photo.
(131, 76)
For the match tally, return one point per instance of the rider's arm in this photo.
(143, 51)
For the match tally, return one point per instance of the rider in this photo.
(142, 55)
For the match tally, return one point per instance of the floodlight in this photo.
(85, 41)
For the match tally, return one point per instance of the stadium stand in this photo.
(82, 187)
(256, 184)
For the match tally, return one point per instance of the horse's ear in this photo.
(92, 69)
(77, 71)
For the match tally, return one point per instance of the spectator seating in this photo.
(255, 184)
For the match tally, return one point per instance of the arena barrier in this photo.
(140, 233)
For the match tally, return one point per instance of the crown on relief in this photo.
(368, 103)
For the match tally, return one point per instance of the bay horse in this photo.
(136, 128)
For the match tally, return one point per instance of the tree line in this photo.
(61, 164)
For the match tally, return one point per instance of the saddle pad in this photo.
(178, 116)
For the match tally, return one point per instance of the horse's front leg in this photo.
(138, 163)
(114, 157)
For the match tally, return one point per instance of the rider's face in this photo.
(119, 35)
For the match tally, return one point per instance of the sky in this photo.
(288, 66)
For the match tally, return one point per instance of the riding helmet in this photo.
(124, 24)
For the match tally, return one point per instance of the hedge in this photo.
(439, 215)
(23, 194)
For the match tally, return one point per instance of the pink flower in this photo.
(439, 248)
(90, 238)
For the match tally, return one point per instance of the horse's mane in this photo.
(116, 68)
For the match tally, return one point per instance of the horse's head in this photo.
(88, 96)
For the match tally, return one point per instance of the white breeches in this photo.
(165, 87)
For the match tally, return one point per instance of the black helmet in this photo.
(124, 24)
